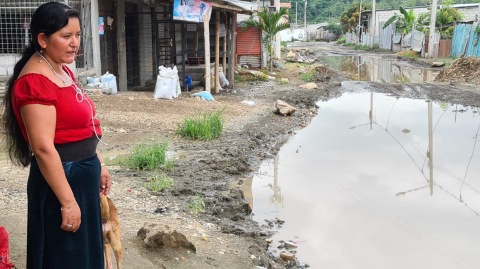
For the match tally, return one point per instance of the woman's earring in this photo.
(41, 52)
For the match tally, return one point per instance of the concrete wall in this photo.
(7, 62)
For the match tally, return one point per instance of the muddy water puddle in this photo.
(366, 68)
(354, 186)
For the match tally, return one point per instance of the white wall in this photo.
(7, 62)
(289, 34)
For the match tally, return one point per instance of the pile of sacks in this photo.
(168, 83)
(223, 80)
(107, 83)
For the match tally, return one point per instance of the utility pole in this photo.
(277, 37)
(296, 23)
(432, 29)
(305, 21)
(373, 25)
(360, 22)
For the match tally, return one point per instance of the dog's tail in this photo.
(104, 207)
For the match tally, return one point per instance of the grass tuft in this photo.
(307, 77)
(197, 205)
(150, 157)
(159, 182)
(204, 126)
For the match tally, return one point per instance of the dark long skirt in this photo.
(50, 247)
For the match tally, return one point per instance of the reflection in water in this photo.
(365, 68)
(357, 194)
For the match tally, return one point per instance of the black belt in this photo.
(78, 150)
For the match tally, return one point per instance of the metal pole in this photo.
(373, 25)
(305, 21)
(432, 29)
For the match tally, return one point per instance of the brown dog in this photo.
(111, 232)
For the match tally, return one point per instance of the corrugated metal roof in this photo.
(246, 7)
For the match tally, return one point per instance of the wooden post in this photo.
(206, 34)
(217, 50)
(224, 65)
(233, 50)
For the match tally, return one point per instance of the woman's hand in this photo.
(105, 181)
(71, 218)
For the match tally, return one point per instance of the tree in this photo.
(404, 23)
(349, 17)
(270, 22)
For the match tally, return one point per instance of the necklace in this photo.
(53, 69)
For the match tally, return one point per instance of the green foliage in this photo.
(362, 47)
(341, 39)
(349, 17)
(404, 23)
(197, 205)
(447, 14)
(348, 44)
(477, 30)
(150, 157)
(159, 182)
(202, 127)
(270, 23)
(307, 77)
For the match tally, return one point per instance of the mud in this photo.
(216, 169)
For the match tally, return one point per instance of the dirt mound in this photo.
(464, 70)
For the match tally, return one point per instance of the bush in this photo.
(159, 182)
(197, 205)
(150, 157)
(202, 127)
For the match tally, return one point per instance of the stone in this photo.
(291, 54)
(156, 236)
(309, 86)
(253, 257)
(131, 98)
(221, 252)
(287, 256)
(269, 240)
(284, 80)
(438, 64)
(290, 245)
(284, 108)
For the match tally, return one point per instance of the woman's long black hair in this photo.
(47, 19)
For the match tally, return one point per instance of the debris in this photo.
(309, 86)
(247, 102)
(284, 80)
(260, 75)
(463, 70)
(205, 95)
(284, 108)
(277, 65)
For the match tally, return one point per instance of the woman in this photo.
(49, 125)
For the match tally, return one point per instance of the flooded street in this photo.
(354, 187)
(366, 68)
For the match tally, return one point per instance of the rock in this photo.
(309, 86)
(290, 54)
(284, 80)
(438, 64)
(131, 98)
(269, 240)
(284, 108)
(290, 245)
(287, 256)
(221, 252)
(253, 257)
(158, 236)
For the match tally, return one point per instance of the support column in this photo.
(206, 34)
(224, 64)
(97, 65)
(121, 43)
(233, 50)
(217, 50)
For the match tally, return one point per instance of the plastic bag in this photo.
(109, 81)
(168, 83)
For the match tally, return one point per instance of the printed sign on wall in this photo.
(101, 25)
(190, 10)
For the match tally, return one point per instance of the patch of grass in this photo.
(159, 182)
(306, 77)
(150, 157)
(197, 205)
(341, 40)
(204, 126)
(348, 44)
(412, 56)
(362, 47)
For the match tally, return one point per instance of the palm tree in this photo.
(270, 24)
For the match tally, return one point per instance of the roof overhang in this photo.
(242, 7)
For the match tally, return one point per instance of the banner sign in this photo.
(190, 10)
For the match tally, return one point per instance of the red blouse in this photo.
(74, 119)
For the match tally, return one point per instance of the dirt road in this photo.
(225, 236)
